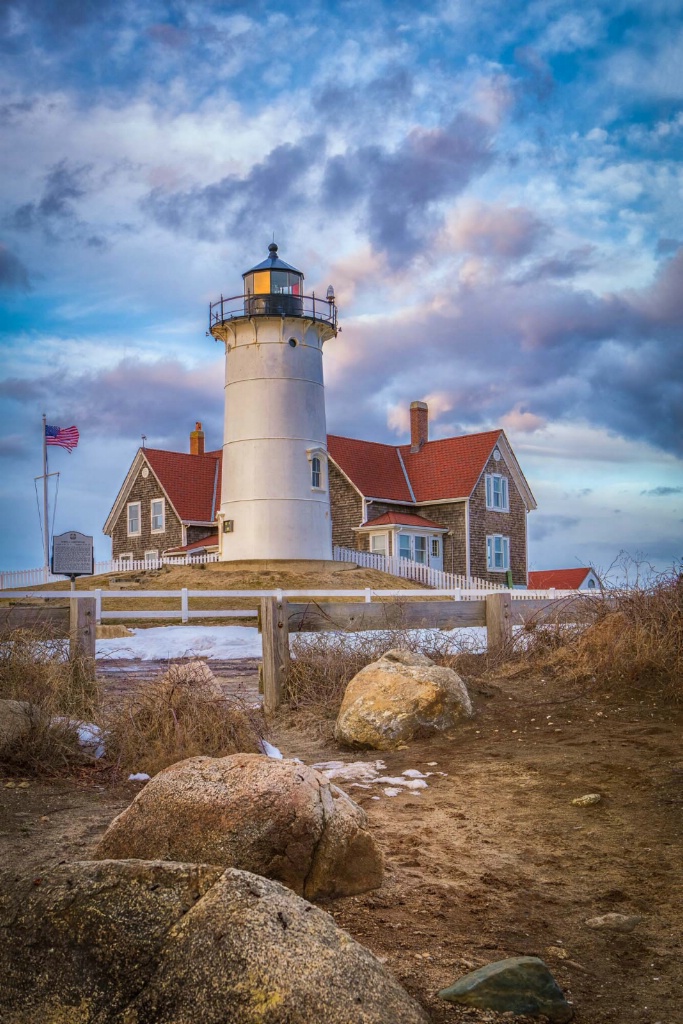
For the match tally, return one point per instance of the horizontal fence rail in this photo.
(532, 600)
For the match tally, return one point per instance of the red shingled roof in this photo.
(442, 469)
(449, 468)
(197, 545)
(560, 579)
(401, 519)
(374, 468)
(192, 482)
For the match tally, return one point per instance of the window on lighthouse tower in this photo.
(315, 472)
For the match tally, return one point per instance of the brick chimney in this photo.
(419, 425)
(197, 440)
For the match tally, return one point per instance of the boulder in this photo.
(159, 943)
(277, 818)
(17, 718)
(520, 985)
(624, 923)
(196, 674)
(401, 697)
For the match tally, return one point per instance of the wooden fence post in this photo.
(275, 638)
(498, 620)
(82, 633)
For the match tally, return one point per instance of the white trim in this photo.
(505, 553)
(490, 492)
(129, 506)
(153, 554)
(467, 540)
(405, 474)
(319, 453)
(162, 528)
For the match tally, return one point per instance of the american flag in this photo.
(65, 437)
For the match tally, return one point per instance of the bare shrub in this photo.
(181, 715)
(55, 693)
(634, 644)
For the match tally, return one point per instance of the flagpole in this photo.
(45, 503)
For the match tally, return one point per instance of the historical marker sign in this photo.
(72, 554)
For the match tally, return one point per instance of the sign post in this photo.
(72, 556)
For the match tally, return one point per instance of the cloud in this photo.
(396, 190)
(272, 191)
(13, 273)
(162, 399)
(560, 267)
(662, 492)
(522, 421)
(542, 526)
(55, 209)
(495, 231)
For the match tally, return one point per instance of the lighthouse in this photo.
(275, 499)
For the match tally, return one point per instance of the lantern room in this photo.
(273, 288)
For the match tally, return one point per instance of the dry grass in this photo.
(222, 576)
(55, 693)
(182, 715)
(634, 645)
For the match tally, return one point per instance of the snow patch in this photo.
(139, 777)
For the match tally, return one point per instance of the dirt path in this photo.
(491, 860)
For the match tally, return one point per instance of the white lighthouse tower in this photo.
(275, 500)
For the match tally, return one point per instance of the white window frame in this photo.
(162, 528)
(126, 556)
(497, 493)
(497, 549)
(425, 549)
(321, 455)
(152, 555)
(384, 537)
(138, 506)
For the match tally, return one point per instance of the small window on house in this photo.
(436, 545)
(157, 510)
(404, 550)
(497, 553)
(378, 543)
(421, 550)
(591, 584)
(497, 494)
(134, 519)
(315, 472)
(126, 559)
(152, 556)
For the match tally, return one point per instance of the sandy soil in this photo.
(491, 860)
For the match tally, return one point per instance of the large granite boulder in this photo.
(401, 697)
(138, 942)
(277, 818)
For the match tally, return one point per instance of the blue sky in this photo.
(495, 191)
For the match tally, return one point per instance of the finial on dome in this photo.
(272, 249)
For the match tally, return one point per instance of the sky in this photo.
(494, 190)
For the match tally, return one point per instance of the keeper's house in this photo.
(459, 504)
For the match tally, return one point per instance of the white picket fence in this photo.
(415, 571)
(35, 577)
(391, 564)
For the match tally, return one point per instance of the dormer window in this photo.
(497, 492)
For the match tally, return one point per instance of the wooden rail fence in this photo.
(309, 612)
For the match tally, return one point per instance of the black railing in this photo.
(307, 306)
